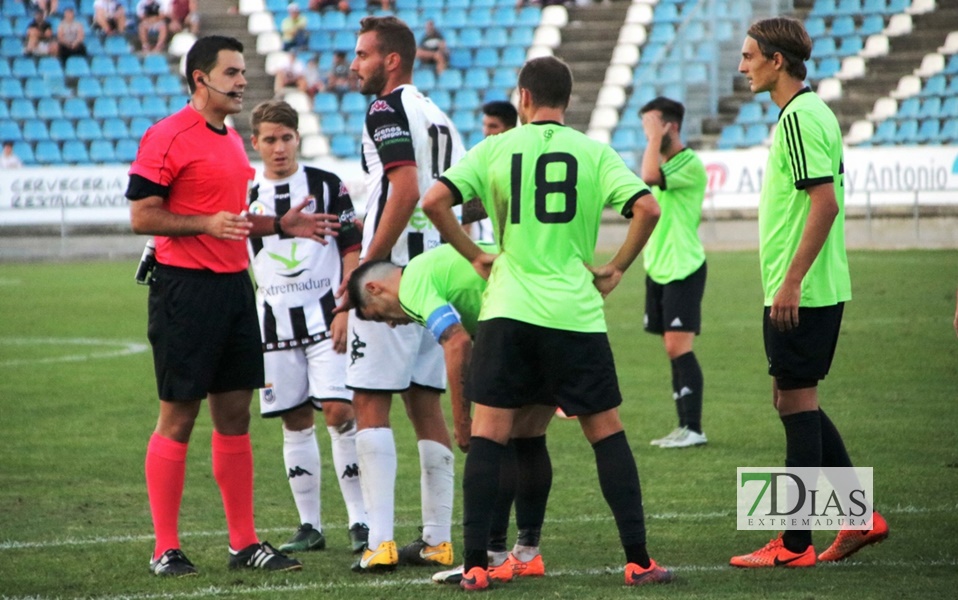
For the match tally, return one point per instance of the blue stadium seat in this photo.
(344, 40)
(466, 99)
(9, 130)
(102, 66)
(497, 37)
(175, 103)
(825, 8)
(487, 58)
(815, 26)
(93, 45)
(495, 94)
(75, 109)
(935, 86)
(35, 130)
(454, 18)
(101, 151)
(11, 47)
(873, 7)
(871, 25)
(480, 16)
(930, 108)
(950, 107)
(465, 121)
(732, 136)
(115, 45)
(908, 109)
(4, 110)
(344, 146)
(89, 87)
(828, 67)
(841, 26)
(694, 73)
(49, 66)
(907, 132)
(450, 79)
(476, 78)
(824, 46)
(320, 42)
(504, 16)
(884, 133)
(896, 6)
(504, 77)
(115, 129)
(129, 107)
(6, 28)
(424, 78)
(850, 45)
(48, 153)
(89, 129)
(62, 130)
(460, 58)
(750, 112)
(169, 85)
(155, 64)
(129, 65)
(529, 16)
(513, 56)
(949, 131)
(75, 152)
(138, 126)
(22, 109)
(355, 122)
(471, 37)
(354, 102)
(5, 68)
(624, 139)
(473, 138)
(77, 66)
(23, 67)
(126, 150)
(142, 85)
(662, 33)
(755, 135)
(154, 107)
(332, 123)
(25, 152)
(442, 99)
(105, 108)
(929, 132)
(666, 12)
(325, 103)
(115, 86)
(849, 7)
(522, 37)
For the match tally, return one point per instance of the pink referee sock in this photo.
(233, 471)
(165, 472)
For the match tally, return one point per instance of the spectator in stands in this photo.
(151, 24)
(290, 75)
(9, 160)
(432, 48)
(341, 79)
(182, 15)
(70, 36)
(47, 6)
(322, 5)
(313, 77)
(109, 16)
(294, 28)
(40, 40)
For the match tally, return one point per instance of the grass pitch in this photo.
(77, 405)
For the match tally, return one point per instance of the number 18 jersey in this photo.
(406, 128)
(544, 186)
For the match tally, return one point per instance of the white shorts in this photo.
(310, 374)
(390, 359)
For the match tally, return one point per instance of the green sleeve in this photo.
(621, 187)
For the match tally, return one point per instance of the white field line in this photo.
(93, 541)
(119, 348)
(369, 582)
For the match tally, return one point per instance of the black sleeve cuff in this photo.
(140, 187)
(664, 185)
(456, 194)
(804, 184)
(627, 209)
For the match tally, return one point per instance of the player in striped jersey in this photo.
(407, 143)
(805, 277)
(304, 344)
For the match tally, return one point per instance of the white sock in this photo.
(376, 449)
(436, 487)
(301, 456)
(525, 553)
(347, 470)
(497, 558)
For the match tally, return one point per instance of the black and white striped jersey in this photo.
(297, 277)
(404, 127)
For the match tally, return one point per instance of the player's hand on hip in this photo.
(784, 310)
(228, 226)
(483, 264)
(605, 278)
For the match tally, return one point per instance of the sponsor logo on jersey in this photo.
(311, 207)
(355, 346)
(350, 471)
(257, 208)
(386, 133)
(380, 106)
(269, 396)
(342, 189)
(289, 263)
(297, 471)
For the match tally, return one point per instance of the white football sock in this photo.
(376, 449)
(301, 456)
(347, 471)
(525, 553)
(436, 487)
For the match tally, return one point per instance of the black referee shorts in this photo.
(515, 364)
(801, 357)
(204, 332)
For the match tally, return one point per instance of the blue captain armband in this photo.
(441, 319)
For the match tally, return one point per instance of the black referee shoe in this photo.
(263, 556)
